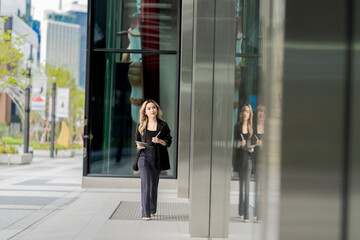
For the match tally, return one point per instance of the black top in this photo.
(241, 154)
(149, 136)
(162, 161)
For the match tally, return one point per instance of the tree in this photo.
(11, 57)
(12, 77)
(64, 78)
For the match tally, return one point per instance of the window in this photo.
(134, 57)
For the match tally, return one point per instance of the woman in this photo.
(243, 134)
(154, 157)
(259, 130)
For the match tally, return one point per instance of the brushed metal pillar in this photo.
(185, 98)
(211, 117)
(354, 163)
(313, 120)
(201, 118)
(269, 169)
(223, 101)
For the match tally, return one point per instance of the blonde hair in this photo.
(250, 120)
(143, 118)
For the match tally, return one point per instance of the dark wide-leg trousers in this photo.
(245, 183)
(149, 182)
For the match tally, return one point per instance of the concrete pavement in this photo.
(44, 200)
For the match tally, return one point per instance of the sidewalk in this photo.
(44, 200)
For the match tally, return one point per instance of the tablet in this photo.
(142, 144)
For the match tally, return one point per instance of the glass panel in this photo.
(117, 90)
(136, 24)
(247, 64)
(248, 115)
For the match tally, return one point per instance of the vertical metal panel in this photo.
(354, 166)
(223, 98)
(200, 158)
(272, 18)
(313, 120)
(185, 98)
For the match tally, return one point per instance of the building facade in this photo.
(60, 42)
(207, 62)
(80, 12)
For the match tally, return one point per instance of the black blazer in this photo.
(241, 155)
(162, 161)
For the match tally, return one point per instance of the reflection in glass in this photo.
(244, 158)
(259, 131)
(115, 110)
(127, 68)
(248, 128)
(154, 22)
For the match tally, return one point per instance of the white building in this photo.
(60, 42)
(10, 7)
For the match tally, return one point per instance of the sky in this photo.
(40, 5)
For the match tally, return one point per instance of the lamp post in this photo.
(27, 106)
(53, 117)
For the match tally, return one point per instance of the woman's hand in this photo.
(157, 140)
(258, 142)
(251, 150)
(139, 147)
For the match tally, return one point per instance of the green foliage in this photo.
(12, 141)
(4, 129)
(10, 57)
(75, 146)
(5, 149)
(18, 135)
(65, 79)
(46, 146)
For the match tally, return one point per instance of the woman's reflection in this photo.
(243, 161)
(259, 130)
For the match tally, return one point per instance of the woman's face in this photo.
(151, 110)
(261, 113)
(246, 113)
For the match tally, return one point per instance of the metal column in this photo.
(212, 79)
(201, 117)
(185, 98)
(314, 120)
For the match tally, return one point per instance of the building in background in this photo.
(60, 41)
(15, 22)
(28, 17)
(80, 11)
(17, 7)
(36, 25)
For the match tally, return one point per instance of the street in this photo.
(31, 193)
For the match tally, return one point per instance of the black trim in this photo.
(89, 47)
(123, 176)
(247, 55)
(177, 90)
(135, 51)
